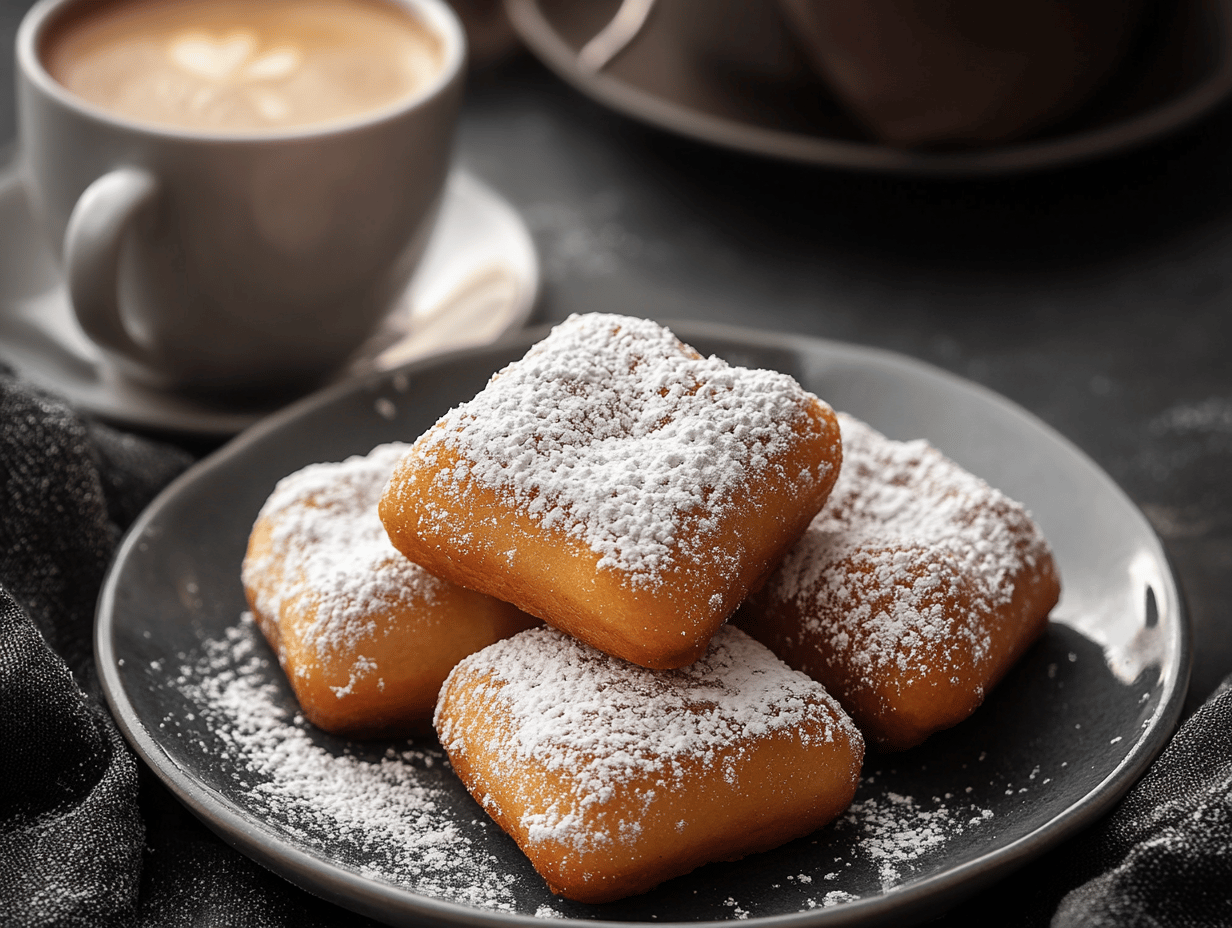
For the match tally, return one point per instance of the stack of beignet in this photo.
(632, 494)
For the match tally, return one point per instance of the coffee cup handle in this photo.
(92, 244)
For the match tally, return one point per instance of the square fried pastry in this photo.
(365, 636)
(618, 485)
(612, 778)
(912, 592)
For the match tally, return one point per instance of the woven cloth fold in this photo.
(70, 831)
(1164, 857)
(89, 837)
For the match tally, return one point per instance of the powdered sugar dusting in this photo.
(384, 811)
(612, 432)
(905, 533)
(897, 830)
(604, 722)
(392, 811)
(331, 557)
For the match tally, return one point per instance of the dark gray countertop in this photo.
(1098, 297)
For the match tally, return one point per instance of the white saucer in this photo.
(478, 280)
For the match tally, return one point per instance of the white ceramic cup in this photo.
(234, 263)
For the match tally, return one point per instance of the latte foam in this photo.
(241, 66)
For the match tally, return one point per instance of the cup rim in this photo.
(436, 14)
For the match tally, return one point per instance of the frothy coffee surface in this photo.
(240, 65)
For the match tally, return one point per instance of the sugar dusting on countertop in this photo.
(613, 432)
(329, 554)
(905, 529)
(601, 721)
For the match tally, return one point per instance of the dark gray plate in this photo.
(1065, 735)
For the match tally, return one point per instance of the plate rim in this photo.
(1139, 129)
(923, 896)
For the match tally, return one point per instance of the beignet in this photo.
(613, 778)
(912, 592)
(365, 636)
(618, 485)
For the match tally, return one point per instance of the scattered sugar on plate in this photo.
(394, 818)
(894, 831)
(384, 812)
(836, 897)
